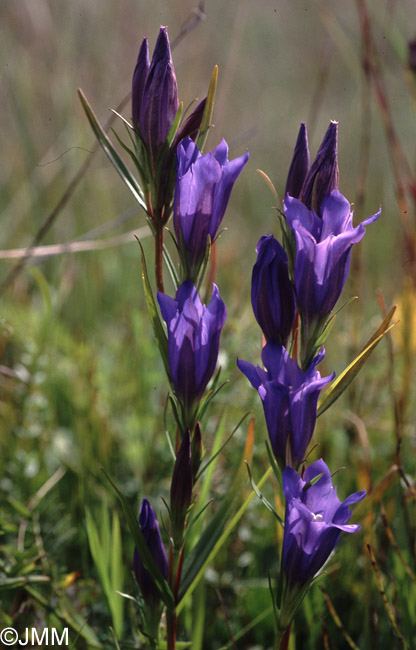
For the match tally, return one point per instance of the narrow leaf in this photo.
(262, 497)
(111, 153)
(158, 329)
(140, 542)
(217, 531)
(209, 107)
(337, 387)
(175, 124)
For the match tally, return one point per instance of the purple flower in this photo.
(323, 175)
(150, 528)
(203, 188)
(315, 518)
(272, 293)
(154, 94)
(323, 251)
(194, 332)
(299, 166)
(289, 397)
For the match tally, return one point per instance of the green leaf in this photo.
(107, 555)
(220, 526)
(175, 124)
(158, 329)
(171, 268)
(111, 153)
(219, 450)
(209, 107)
(337, 387)
(274, 465)
(132, 155)
(263, 498)
(213, 538)
(140, 542)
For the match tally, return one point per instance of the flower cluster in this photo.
(294, 290)
(293, 293)
(202, 189)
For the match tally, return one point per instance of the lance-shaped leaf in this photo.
(209, 107)
(111, 153)
(158, 330)
(220, 526)
(337, 387)
(140, 542)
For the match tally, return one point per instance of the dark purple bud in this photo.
(290, 398)
(139, 79)
(155, 94)
(191, 126)
(203, 189)
(323, 175)
(196, 449)
(181, 488)
(194, 332)
(150, 528)
(412, 55)
(299, 166)
(272, 293)
(323, 251)
(315, 518)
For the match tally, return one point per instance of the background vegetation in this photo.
(81, 384)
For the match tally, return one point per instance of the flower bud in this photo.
(272, 293)
(155, 94)
(192, 124)
(299, 166)
(196, 450)
(323, 175)
(150, 528)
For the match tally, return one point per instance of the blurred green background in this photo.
(81, 383)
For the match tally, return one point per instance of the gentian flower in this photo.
(323, 251)
(194, 332)
(272, 293)
(150, 528)
(202, 191)
(289, 397)
(323, 176)
(155, 103)
(154, 94)
(315, 518)
(299, 166)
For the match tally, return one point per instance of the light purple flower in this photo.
(289, 397)
(203, 188)
(194, 332)
(315, 518)
(323, 251)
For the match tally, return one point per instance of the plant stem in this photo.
(159, 256)
(283, 638)
(171, 629)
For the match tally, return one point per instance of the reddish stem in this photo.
(159, 257)
(284, 644)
